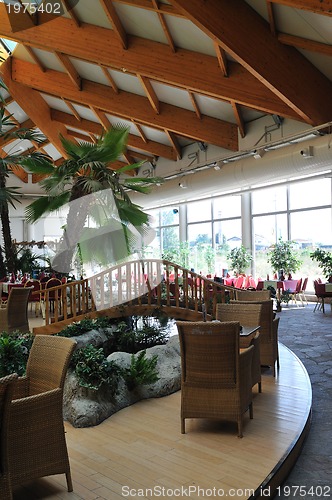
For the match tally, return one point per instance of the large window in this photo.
(300, 211)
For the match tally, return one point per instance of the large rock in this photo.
(85, 407)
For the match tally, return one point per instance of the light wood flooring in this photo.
(141, 447)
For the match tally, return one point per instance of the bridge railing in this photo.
(143, 281)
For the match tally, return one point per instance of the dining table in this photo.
(7, 286)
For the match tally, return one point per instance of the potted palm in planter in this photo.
(239, 259)
(283, 258)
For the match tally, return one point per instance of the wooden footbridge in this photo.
(133, 287)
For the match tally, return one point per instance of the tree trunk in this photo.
(10, 253)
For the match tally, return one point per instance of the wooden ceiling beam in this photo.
(109, 78)
(195, 105)
(152, 147)
(104, 121)
(239, 118)
(128, 105)
(317, 6)
(222, 59)
(71, 12)
(72, 108)
(101, 46)
(115, 21)
(175, 143)
(140, 131)
(35, 58)
(150, 93)
(272, 21)
(305, 44)
(164, 26)
(35, 107)
(291, 77)
(70, 69)
(149, 5)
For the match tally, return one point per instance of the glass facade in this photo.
(209, 229)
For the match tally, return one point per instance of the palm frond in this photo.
(9, 195)
(37, 163)
(29, 134)
(131, 166)
(45, 205)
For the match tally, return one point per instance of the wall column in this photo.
(247, 226)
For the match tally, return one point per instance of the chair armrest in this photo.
(21, 389)
(245, 358)
(33, 412)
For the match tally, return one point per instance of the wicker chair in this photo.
(216, 377)
(254, 295)
(6, 390)
(248, 316)
(14, 316)
(268, 330)
(37, 444)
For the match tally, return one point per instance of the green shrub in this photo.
(14, 353)
(86, 325)
(93, 370)
(142, 371)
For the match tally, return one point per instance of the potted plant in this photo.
(324, 260)
(283, 258)
(239, 259)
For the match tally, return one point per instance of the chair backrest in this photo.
(209, 353)
(248, 314)
(50, 284)
(7, 385)
(265, 318)
(35, 284)
(304, 284)
(298, 286)
(17, 309)
(48, 362)
(254, 295)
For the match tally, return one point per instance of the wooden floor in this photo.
(141, 447)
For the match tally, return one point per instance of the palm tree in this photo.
(10, 195)
(88, 183)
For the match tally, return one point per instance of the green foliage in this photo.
(14, 353)
(86, 325)
(324, 260)
(239, 259)
(284, 257)
(139, 333)
(142, 371)
(93, 370)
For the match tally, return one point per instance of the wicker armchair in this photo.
(248, 316)
(14, 316)
(37, 445)
(254, 295)
(216, 377)
(6, 390)
(268, 334)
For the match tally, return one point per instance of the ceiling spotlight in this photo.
(202, 146)
(183, 184)
(277, 119)
(218, 165)
(308, 152)
(259, 153)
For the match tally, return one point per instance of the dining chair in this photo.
(247, 315)
(215, 375)
(6, 391)
(53, 296)
(268, 330)
(295, 293)
(14, 314)
(301, 293)
(36, 436)
(35, 296)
